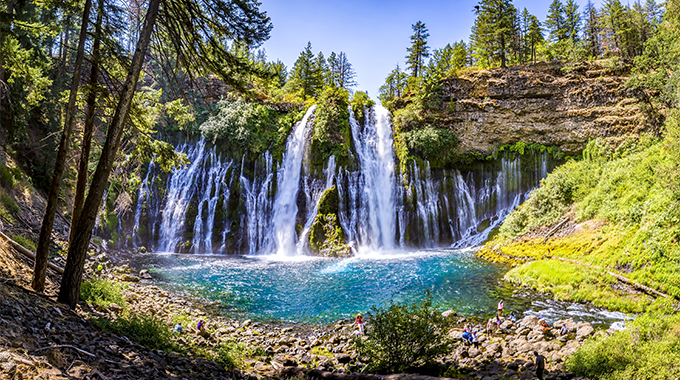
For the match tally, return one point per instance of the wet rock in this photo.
(144, 274)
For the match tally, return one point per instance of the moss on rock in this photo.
(326, 237)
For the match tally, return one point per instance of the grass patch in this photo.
(6, 176)
(102, 292)
(230, 355)
(648, 349)
(147, 330)
(25, 241)
(9, 204)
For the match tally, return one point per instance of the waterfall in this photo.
(143, 196)
(373, 143)
(313, 193)
(258, 203)
(285, 202)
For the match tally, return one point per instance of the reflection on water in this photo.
(318, 290)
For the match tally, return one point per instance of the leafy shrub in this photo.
(145, 329)
(6, 176)
(25, 241)
(8, 203)
(360, 102)
(648, 349)
(331, 126)
(249, 127)
(430, 143)
(100, 291)
(404, 337)
(230, 355)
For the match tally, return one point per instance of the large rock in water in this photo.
(544, 104)
(326, 237)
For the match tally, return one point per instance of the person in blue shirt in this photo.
(178, 328)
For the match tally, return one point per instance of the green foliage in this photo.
(433, 144)
(145, 329)
(8, 203)
(394, 87)
(25, 241)
(230, 355)
(101, 291)
(328, 204)
(331, 126)
(648, 349)
(6, 177)
(418, 51)
(248, 127)
(360, 102)
(403, 337)
(571, 282)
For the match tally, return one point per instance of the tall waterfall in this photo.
(285, 203)
(223, 203)
(376, 186)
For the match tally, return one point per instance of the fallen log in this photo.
(621, 278)
(21, 249)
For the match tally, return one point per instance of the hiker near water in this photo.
(540, 365)
(360, 324)
(500, 308)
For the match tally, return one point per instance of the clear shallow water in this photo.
(316, 290)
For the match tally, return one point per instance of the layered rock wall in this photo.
(543, 104)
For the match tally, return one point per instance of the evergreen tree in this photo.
(305, 76)
(394, 86)
(534, 36)
(344, 73)
(555, 22)
(572, 21)
(494, 31)
(591, 30)
(446, 61)
(418, 51)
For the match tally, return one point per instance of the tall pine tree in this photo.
(418, 51)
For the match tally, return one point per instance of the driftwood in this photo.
(554, 229)
(634, 284)
(20, 248)
(65, 346)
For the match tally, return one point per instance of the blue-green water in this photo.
(317, 290)
(324, 290)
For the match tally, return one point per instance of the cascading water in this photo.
(285, 202)
(223, 204)
(373, 143)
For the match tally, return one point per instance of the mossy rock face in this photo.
(326, 237)
(328, 204)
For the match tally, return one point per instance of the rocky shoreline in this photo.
(297, 347)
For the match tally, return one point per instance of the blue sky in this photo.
(373, 34)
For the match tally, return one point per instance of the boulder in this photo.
(449, 313)
(529, 322)
(583, 330)
(343, 358)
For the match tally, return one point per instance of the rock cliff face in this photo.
(543, 104)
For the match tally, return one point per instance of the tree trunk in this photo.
(69, 293)
(81, 182)
(42, 250)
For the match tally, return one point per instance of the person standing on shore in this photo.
(500, 308)
(360, 324)
(540, 365)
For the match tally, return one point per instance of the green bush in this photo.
(331, 126)
(360, 102)
(147, 330)
(6, 177)
(648, 349)
(100, 291)
(404, 337)
(230, 355)
(434, 144)
(8, 203)
(25, 241)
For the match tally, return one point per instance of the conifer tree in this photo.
(555, 22)
(572, 21)
(342, 72)
(394, 86)
(591, 30)
(494, 31)
(418, 51)
(305, 75)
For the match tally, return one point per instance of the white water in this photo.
(313, 195)
(255, 194)
(285, 203)
(373, 143)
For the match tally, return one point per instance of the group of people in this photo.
(200, 328)
(470, 336)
